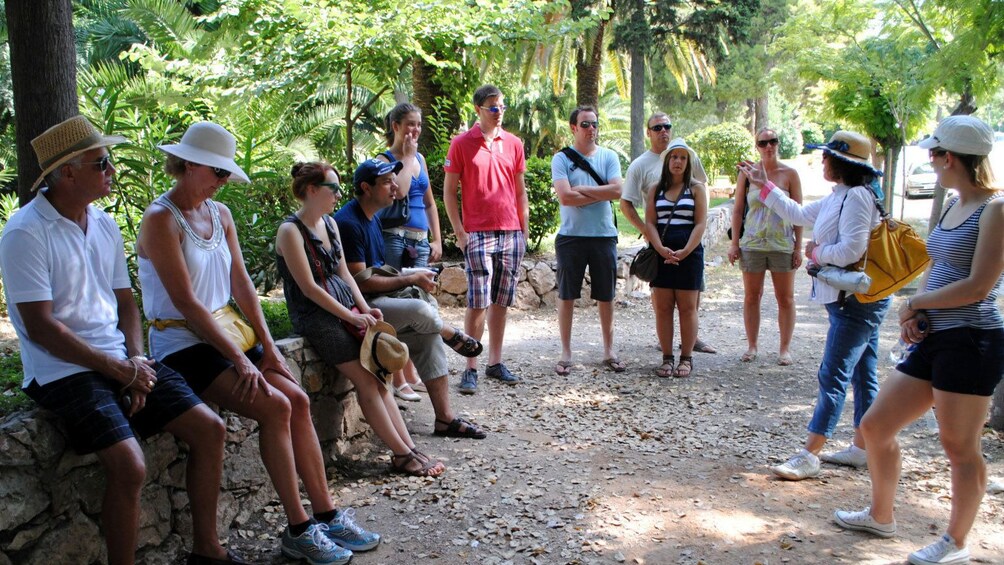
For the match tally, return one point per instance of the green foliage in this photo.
(721, 146)
(544, 218)
(812, 134)
(258, 209)
(11, 375)
(277, 318)
(790, 141)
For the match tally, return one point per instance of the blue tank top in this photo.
(416, 195)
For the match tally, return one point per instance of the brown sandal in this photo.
(666, 369)
(686, 364)
(399, 464)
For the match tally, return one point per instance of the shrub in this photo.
(812, 134)
(721, 146)
(277, 318)
(12, 398)
(790, 139)
(544, 219)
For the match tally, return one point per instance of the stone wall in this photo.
(537, 286)
(51, 497)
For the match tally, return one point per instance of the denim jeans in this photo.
(394, 246)
(850, 357)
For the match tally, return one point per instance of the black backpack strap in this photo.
(580, 162)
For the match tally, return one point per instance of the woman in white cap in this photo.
(842, 224)
(190, 266)
(762, 242)
(675, 217)
(959, 357)
(326, 307)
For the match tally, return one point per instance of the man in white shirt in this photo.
(72, 307)
(643, 173)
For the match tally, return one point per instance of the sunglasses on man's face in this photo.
(101, 164)
(765, 142)
(660, 127)
(585, 124)
(494, 109)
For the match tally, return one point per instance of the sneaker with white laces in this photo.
(863, 522)
(802, 466)
(942, 552)
(314, 546)
(469, 381)
(344, 531)
(853, 456)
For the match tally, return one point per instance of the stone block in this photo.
(83, 486)
(242, 466)
(584, 301)
(549, 299)
(526, 297)
(27, 537)
(354, 424)
(327, 413)
(159, 451)
(453, 280)
(75, 539)
(312, 378)
(336, 384)
(542, 278)
(296, 371)
(448, 300)
(154, 516)
(166, 553)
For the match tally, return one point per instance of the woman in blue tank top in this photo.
(959, 335)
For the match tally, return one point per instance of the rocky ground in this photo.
(598, 467)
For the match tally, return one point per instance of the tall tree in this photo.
(43, 75)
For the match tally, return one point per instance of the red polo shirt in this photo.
(487, 178)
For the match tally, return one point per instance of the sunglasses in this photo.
(219, 172)
(766, 142)
(587, 124)
(494, 109)
(102, 163)
(334, 186)
(660, 127)
(936, 153)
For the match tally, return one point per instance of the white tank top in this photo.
(208, 262)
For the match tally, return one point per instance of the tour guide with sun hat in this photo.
(842, 223)
(190, 266)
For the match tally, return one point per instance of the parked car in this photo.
(920, 180)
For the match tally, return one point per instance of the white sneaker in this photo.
(863, 522)
(941, 552)
(853, 456)
(802, 466)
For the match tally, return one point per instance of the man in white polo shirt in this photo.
(72, 306)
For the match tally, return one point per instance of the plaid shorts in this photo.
(493, 260)
(88, 405)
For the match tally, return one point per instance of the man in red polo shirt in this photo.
(488, 163)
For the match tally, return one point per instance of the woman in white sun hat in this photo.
(959, 332)
(841, 226)
(191, 266)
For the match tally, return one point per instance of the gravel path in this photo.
(598, 467)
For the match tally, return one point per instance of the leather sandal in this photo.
(427, 468)
(666, 369)
(461, 428)
(686, 364)
(464, 344)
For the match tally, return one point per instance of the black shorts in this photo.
(200, 364)
(574, 254)
(88, 405)
(962, 360)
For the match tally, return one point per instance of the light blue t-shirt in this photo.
(592, 220)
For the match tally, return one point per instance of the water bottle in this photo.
(902, 349)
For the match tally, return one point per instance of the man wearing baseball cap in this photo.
(402, 298)
(65, 277)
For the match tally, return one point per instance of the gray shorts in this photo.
(762, 261)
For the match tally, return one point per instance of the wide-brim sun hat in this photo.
(850, 147)
(697, 172)
(964, 135)
(66, 140)
(209, 144)
(381, 353)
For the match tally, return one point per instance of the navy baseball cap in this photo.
(368, 171)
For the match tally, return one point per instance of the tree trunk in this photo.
(589, 69)
(889, 169)
(350, 123)
(638, 124)
(762, 120)
(751, 115)
(43, 59)
(427, 91)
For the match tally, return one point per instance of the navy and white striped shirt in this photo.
(951, 252)
(684, 213)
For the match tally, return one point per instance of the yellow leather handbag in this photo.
(230, 321)
(895, 256)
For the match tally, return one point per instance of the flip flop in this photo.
(615, 365)
(748, 357)
(785, 360)
(563, 368)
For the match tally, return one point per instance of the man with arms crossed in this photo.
(587, 236)
(643, 173)
(71, 304)
(488, 164)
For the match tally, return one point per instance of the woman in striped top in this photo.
(675, 217)
(959, 332)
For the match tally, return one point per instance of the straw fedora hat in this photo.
(65, 140)
(209, 144)
(381, 353)
(851, 147)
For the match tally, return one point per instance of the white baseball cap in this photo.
(964, 135)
